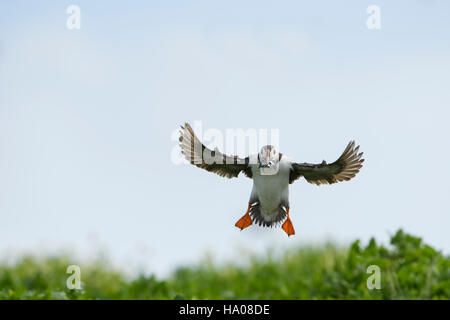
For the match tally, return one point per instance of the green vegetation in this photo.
(409, 268)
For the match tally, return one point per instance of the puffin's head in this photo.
(268, 157)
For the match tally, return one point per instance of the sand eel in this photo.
(271, 173)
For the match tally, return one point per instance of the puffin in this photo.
(272, 173)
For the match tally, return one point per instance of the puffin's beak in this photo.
(268, 163)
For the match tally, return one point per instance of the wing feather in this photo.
(343, 169)
(213, 161)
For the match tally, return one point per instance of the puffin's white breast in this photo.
(271, 189)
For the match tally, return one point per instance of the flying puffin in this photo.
(272, 173)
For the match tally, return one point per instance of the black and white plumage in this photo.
(272, 173)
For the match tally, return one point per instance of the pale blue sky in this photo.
(86, 118)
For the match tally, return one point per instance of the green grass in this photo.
(409, 268)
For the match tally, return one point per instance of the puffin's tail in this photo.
(260, 219)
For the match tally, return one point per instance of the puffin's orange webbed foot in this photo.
(287, 226)
(245, 221)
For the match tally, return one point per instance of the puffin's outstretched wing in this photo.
(214, 161)
(343, 169)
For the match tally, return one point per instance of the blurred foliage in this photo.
(409, 268)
